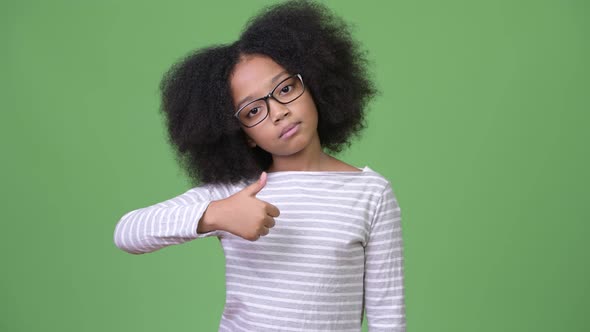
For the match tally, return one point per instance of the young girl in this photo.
(311, 243)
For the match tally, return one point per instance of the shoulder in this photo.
(376, 176)
(387, 195)
(344, 167)
(382, 184)
(336, 165)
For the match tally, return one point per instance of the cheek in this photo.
(257, 134)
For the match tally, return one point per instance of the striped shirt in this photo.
(334, 253)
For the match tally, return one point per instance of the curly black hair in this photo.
(303, 37)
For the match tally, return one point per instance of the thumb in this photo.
(257, 186)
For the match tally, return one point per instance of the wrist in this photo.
(209, 221)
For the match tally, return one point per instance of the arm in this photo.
(173, 221)
(384, 289)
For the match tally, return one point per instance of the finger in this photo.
(272, 210)
(269, 222)
(264, 231)
(255, 187)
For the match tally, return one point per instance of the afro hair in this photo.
(301, 36)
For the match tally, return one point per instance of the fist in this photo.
(242, 214)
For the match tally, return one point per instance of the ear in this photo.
(249, 140)
(251, 143)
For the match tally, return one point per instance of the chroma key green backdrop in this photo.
(481, 126)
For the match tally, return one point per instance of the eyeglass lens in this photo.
(285, 92)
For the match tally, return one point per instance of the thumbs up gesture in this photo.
(241, 214)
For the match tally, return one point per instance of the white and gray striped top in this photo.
(335, 250)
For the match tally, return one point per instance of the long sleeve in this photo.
(173, 221)
(384, 288)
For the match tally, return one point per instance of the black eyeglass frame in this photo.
(271, 95)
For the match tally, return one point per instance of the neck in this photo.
(310, 159)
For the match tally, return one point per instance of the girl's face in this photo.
(289, 128)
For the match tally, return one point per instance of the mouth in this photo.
(290, 130)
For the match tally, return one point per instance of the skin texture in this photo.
(253, 76)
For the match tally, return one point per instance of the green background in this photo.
(481, 126)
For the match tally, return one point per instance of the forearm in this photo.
(152, 228)
(174, 221)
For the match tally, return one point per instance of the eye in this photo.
(253, 112)
(287, 89)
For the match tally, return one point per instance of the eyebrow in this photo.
(273, 80)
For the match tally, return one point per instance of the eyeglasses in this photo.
(257, 110)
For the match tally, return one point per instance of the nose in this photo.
(277, 110)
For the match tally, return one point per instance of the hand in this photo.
(243, 214)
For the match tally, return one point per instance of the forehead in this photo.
(253, 76)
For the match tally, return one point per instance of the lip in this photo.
(289, 129)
